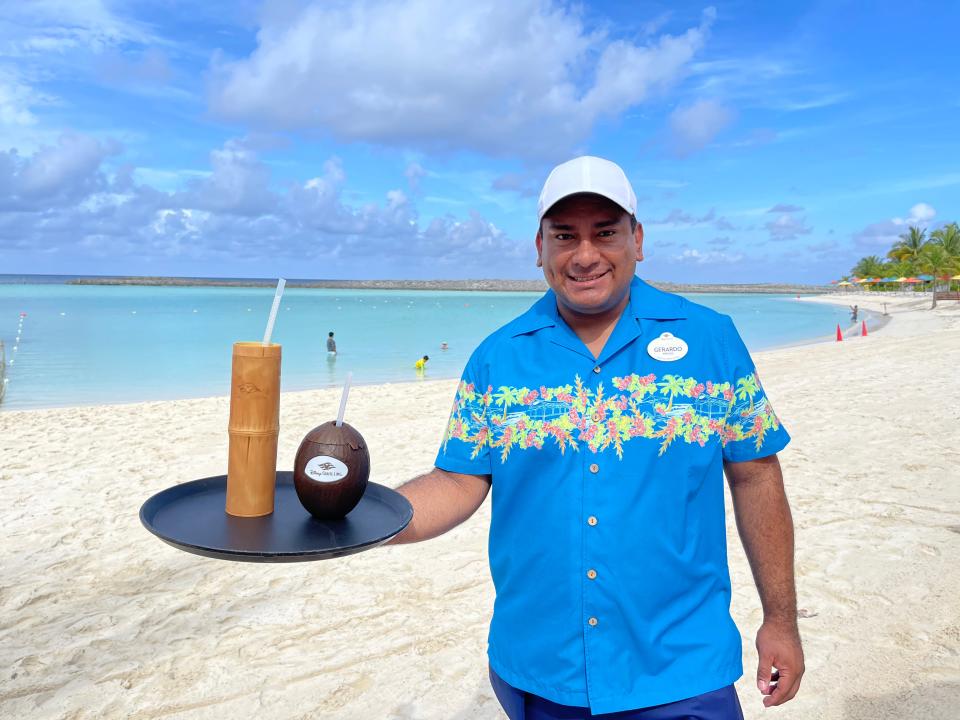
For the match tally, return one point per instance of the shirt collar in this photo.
(646, 302)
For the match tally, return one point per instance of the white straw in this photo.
(273, 311)
(343, 399)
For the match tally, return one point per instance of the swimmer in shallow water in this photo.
(421, 364)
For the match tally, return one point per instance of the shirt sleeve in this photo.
(466, 445)
(751, 429)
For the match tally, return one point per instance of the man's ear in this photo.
(539, 243)
(638, 240)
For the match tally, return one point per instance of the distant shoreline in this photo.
(456, 285)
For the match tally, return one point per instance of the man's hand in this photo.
(778, 646)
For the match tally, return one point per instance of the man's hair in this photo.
(331, 334)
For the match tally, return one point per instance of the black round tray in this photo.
(191, 517)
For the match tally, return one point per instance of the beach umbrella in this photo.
(900, 279)
(861, 281)
(925, 278)
(844, 282)
(912, 280)
(888, 280)
(955, 277)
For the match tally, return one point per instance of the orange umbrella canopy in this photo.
(912, 280)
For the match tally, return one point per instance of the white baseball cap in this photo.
(587, 174)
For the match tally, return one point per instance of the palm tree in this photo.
(949, 237)
(746, 388)
(904, 268)
(505, 398)
(937, 261)
(672, 385)
(870, 266)
(910, 245)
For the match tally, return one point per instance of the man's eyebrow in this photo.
(598, 226)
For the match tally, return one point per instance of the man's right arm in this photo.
(441, 500)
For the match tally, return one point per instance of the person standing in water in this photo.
(331, 343)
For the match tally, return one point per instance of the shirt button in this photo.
(591, 574)
(591, 520)
(597, 369)
(595, 417)
(594, 468)
(593, 621)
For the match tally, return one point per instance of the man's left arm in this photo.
(766, 530)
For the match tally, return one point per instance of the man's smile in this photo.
(587, 278)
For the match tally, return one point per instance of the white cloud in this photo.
(44, 27)
(787, 225)
(54, 175)
(920, 214)
(503, 77)
(883, 234)
(692, 255)
(239, 184)
(693, 127)
(66, 202)
(15, 100)
(678, 219)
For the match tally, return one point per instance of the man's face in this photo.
(589, 252)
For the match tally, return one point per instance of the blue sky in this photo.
(767, 142)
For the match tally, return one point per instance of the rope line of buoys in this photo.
(3, 356)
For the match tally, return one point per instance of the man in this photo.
(421, 364)
(331, 344)
(604, 418)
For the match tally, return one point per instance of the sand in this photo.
(98, 618)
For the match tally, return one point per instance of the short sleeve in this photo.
(466, 445)
(751, 428)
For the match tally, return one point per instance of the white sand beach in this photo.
(99, 619)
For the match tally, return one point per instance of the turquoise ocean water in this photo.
(88, 344)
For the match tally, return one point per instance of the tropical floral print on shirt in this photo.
(638, 407)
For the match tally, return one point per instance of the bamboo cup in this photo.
(254, 428)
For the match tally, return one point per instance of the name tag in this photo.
(667, 348)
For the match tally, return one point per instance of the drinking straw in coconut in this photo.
(343, 399)
(273, 311)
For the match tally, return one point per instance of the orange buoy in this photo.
(839, 334)
(863, 328)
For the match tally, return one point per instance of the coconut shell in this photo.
(331, 470)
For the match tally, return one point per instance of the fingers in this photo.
(783, 689)
(764, 676)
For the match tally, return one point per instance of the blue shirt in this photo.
(607, 542)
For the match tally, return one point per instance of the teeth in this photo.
(585, 278)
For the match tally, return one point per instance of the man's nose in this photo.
(586, 254)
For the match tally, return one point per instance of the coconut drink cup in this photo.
(331, 470)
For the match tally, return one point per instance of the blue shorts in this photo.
(722, 704)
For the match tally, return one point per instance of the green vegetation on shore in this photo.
(914, 253)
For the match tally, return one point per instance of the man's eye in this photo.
(563, 236)
(607, 233)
